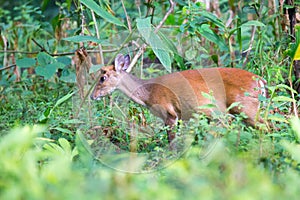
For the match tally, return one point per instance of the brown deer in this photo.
(178, 95)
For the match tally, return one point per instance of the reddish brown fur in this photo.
(177, 95)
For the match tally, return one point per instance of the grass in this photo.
(116, 149)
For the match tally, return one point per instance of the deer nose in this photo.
(92, 97)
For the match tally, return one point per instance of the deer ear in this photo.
(126, 62)
(121, 63)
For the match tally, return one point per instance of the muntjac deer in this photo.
(177, 95)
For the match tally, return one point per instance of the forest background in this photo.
(57, 144)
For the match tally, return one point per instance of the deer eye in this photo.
(102, 79)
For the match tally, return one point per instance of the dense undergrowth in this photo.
(54, 146)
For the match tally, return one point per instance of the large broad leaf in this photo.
(206, 32)
(168, 43)
(26, 62)
(64, 60)
(46, 71)
(144, 27)
(68, 76)
(159, 46)
(91, 4)
(44, 59)
(47, 65)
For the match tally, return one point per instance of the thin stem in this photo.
(10, 66)
(98, 37)
(127, 17)
(292, 90)
(136, 57)
(82, 23)
(171, 9)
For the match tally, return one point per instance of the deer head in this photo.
(110, 77)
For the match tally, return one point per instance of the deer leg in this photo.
(171, 122)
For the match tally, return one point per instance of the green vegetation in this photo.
(57, 144)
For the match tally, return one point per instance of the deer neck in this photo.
(134, 88)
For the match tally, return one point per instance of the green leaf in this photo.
(295, 48)
(191, 53)
(85, 152)
(278, 118)
(215, 58)
(101, 12)
(144, 27)
(168, 43)
(164, 58)
(69, 77)
(234, 104)
(65, 145)
(282, 99)
(65, 60)
(47, 65)
(69, 4)
(208, 96)
(158, 46)
(283, 86)
(44, 59)
(26, 62)
(47, 72)
(63, 99)
(213, 19)
(297, 53)
(253, 23)
(73, 121)
(82, 38)
(45, 115)
(207, 106)
(206, 32)
(63, 130)
(64, 149)
(59, 65)
(95, 68)
(296, 126)
(293, 149)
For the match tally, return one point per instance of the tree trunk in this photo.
(292, 19)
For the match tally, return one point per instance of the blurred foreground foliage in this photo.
(33, 167)
(53, 161)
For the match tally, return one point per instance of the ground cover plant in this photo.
(55, 143)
